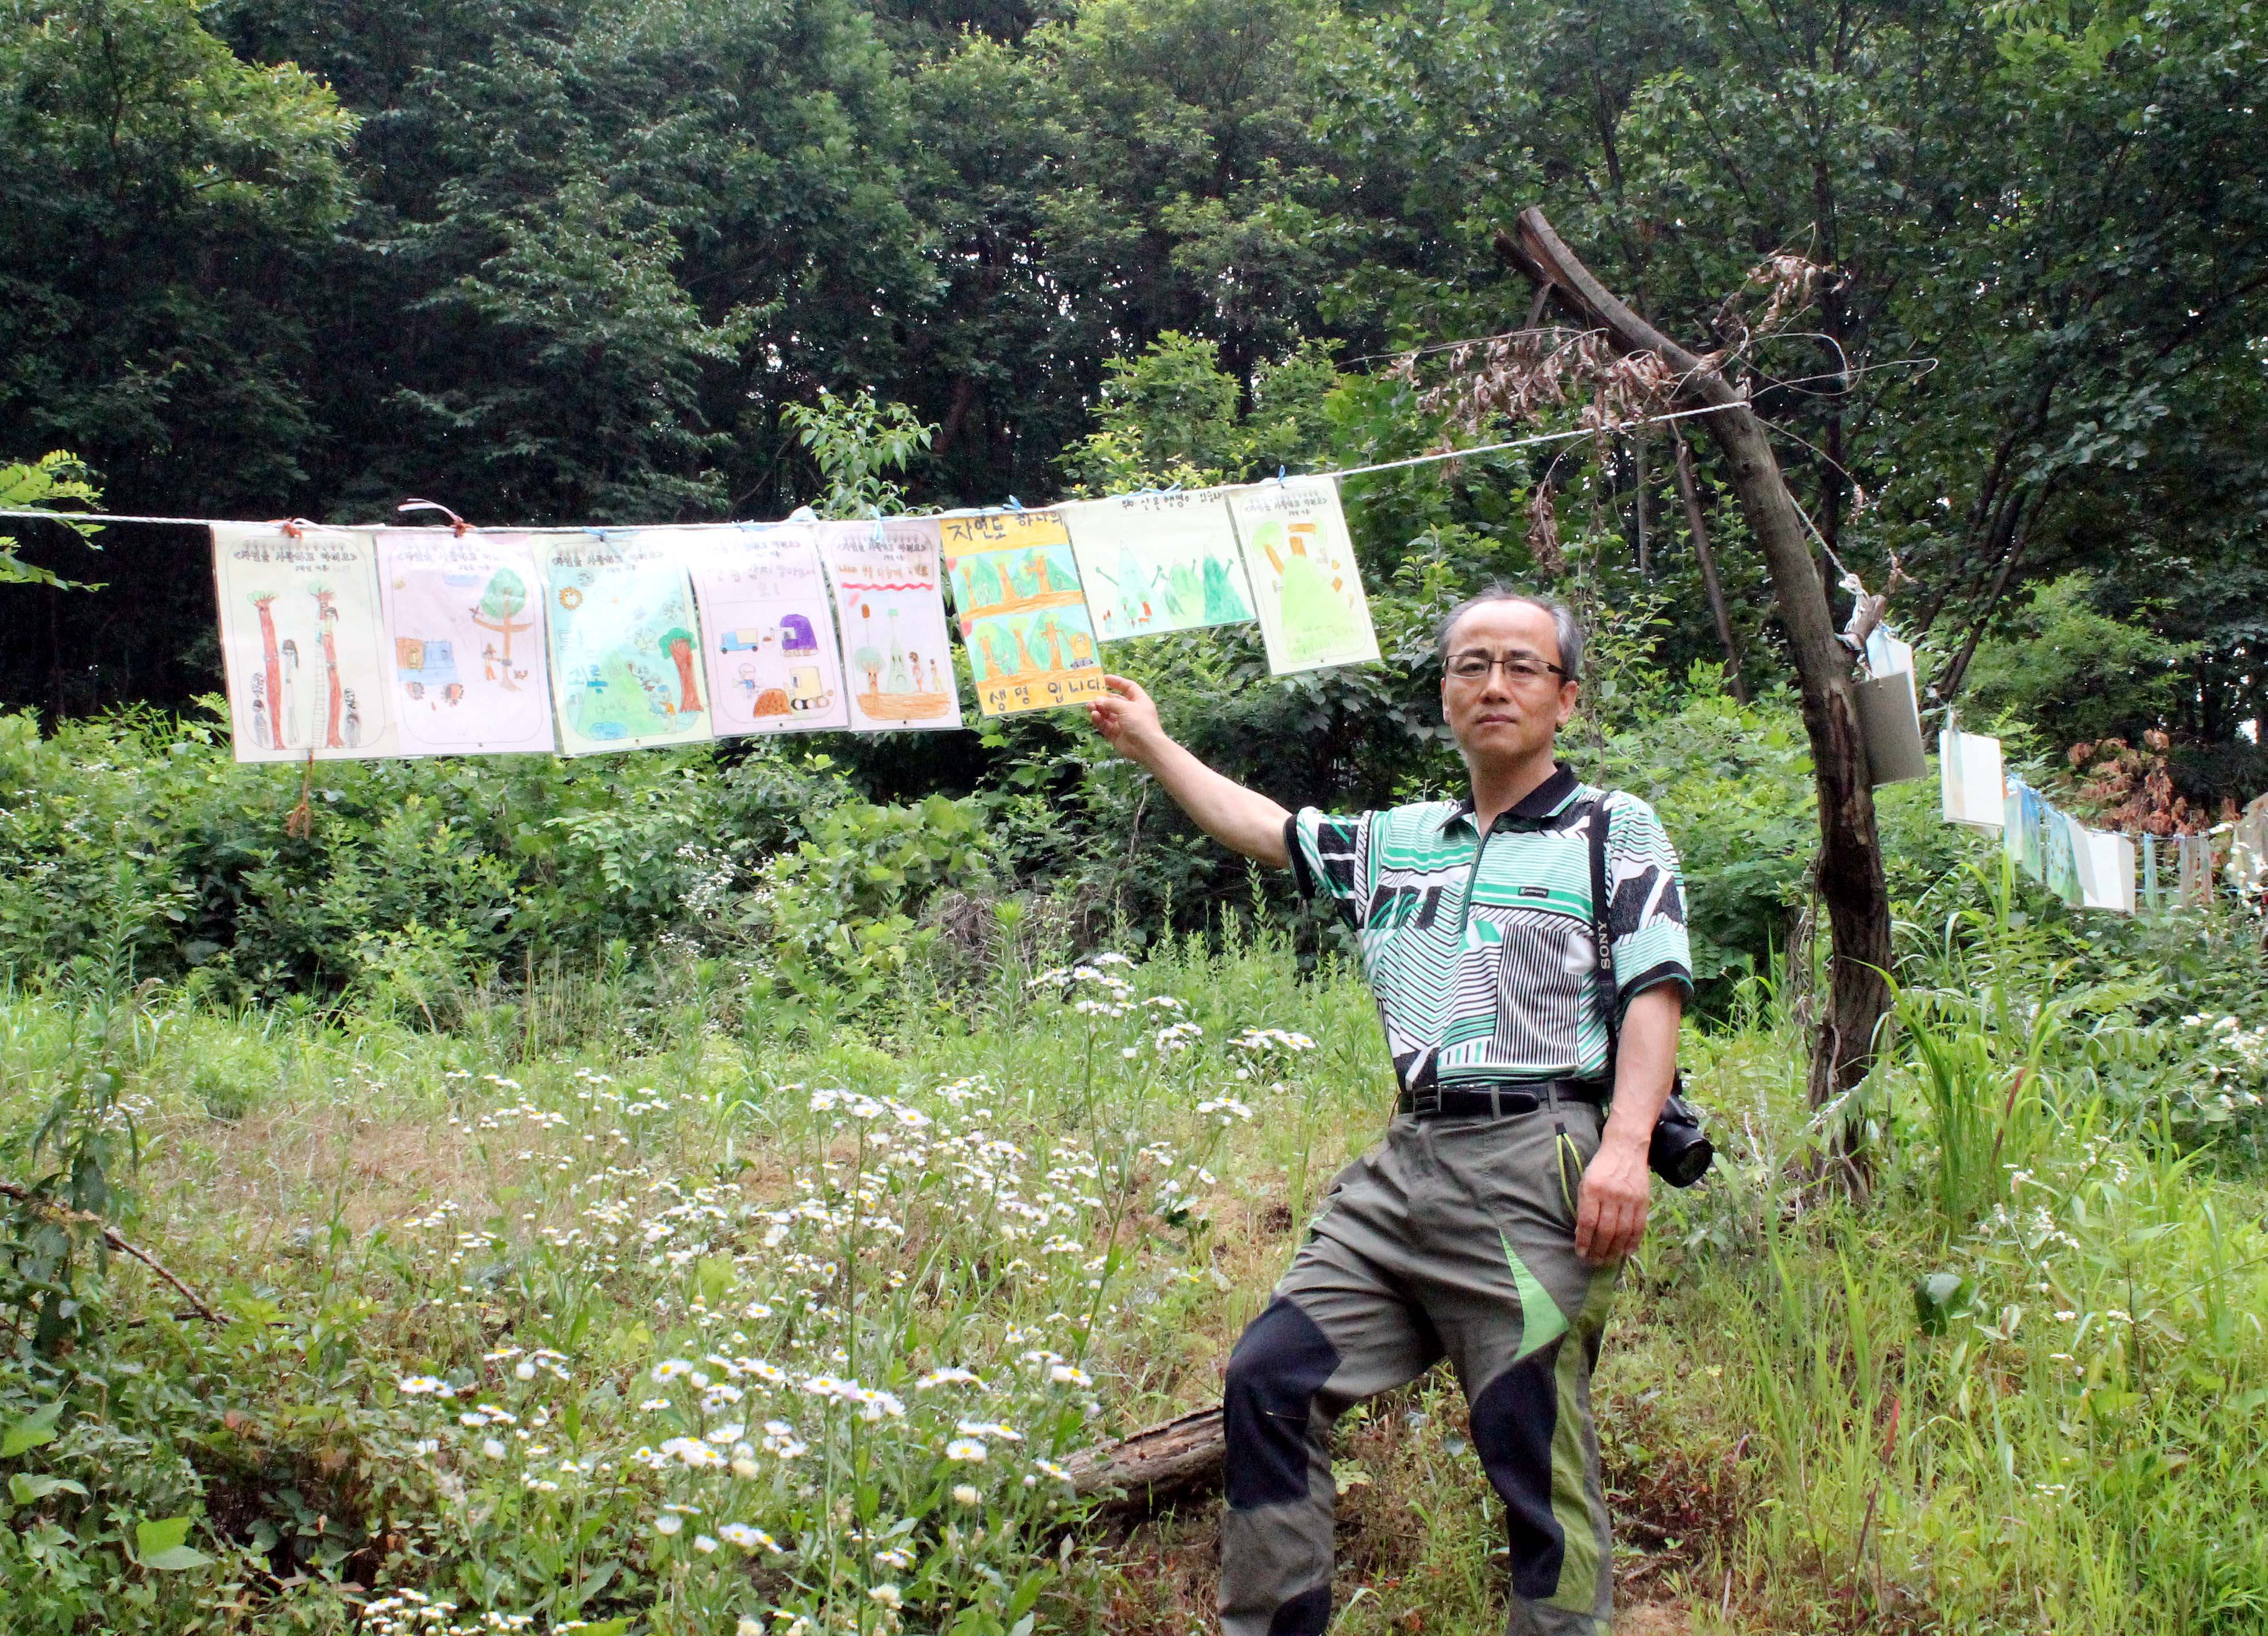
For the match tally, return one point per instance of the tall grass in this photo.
(594, 1205)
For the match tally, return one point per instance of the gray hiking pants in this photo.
(1451, 1238)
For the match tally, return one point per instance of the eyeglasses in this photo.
(1474, 666)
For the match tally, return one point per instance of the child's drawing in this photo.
(889, 605)
(771, 657)
(1156, 562)
(625, 643)
(464, 623)
(1023, 611)
(1301, 565)
(300, 642)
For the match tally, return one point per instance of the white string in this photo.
(973, 511)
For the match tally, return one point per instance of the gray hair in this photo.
(1562, 623)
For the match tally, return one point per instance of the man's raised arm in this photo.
(1244, 820)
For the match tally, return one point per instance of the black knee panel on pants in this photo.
(1279, 1364)
(1306, 1614)
(1513, 1420)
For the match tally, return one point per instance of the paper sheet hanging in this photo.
(1023, 611)
(1969, 780)
(2023, 824)
(1889, 722)
(1158, 563)
(625, 643)
(299, 642)
(1306, 587)
(769, 651)
(889, 605)
(464, 628)
(2106, 870)
(2065, 842)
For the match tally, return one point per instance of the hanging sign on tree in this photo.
(299, 642)
(625, 643)
(1023, 611)
(889, 605)
(464, 628)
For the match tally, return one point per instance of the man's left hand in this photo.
(1610, 1214)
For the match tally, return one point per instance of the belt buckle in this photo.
(1425, 1104)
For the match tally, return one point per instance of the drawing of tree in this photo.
(1053, 633)
(505, 596)
(327, 618)
(869, 660)
(677, 646)
(1037, 562)
(272, 659)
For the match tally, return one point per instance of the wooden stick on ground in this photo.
(117, 1241)
(1156, 1462)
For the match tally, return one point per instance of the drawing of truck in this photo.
(428, 664)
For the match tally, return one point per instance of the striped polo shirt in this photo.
(1479, 948)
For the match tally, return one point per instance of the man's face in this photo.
(1498, 716)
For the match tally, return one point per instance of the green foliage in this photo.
(856, 444)
(54, 478)
(2080, 674)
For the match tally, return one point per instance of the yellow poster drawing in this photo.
(1300, 562)
(1023, 612)
(299, 634)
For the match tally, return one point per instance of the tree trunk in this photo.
(1689, 492)
(1177, 1456)
(1851, 881)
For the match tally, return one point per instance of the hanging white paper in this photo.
(1969, 780)
(464, 627)
(1301, 562)
(889, 604)
(767, 631)
(299, 642)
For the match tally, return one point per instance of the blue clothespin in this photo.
(1279, 473)
(1015, 505)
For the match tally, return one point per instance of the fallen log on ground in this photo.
(1158, 1462)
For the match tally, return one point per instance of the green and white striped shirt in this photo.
(1479, 947)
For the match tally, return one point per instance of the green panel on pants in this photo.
(1451, 1238)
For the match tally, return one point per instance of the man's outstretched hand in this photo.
(1243, 820)
(1128, 719)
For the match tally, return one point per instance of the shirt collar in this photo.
(1547, 799)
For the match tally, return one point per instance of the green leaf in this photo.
(607, 1627)
(26, 1489)
(35, 1428)
(161, 1545)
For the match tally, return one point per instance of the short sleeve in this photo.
(1646, 921)
(1330, 855)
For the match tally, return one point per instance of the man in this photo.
(1490, 1225)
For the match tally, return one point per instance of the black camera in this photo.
(1679, 1153)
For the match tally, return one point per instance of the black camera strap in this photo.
(1602, 934)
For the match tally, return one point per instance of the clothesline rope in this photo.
(1535, 441)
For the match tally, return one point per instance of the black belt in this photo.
(1497, 1098)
